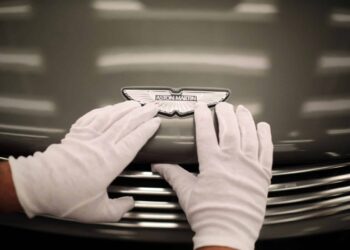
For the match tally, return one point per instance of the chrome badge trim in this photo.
(176, 101)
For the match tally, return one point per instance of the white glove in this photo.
(225, 204)
(70, 179)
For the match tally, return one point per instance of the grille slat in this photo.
(282, 200)
(303, 169)
(279, 172)
(295, 185)
(296, 193)
(308, 183)
(150, 224)
(155, 216)
(140, 190)
(333, 202)
(139, 175)
(271, 201)
(154, 220)
(156, 205)
(306, 215)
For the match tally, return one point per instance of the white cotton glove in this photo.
(69, 180)
(225, 204)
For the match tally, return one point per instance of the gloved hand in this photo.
(225, 204)
(70, 179)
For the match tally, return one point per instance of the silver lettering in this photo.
(188, 98)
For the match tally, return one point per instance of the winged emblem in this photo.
(175, 101)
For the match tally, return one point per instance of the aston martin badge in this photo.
(176, 101)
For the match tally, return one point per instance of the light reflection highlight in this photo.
(151, 59)
(155, 204)
(338, 131)
(18, 60)
(333, 154)
(311, 229)
(158, 224)
(133, 9)
(256, 8)
(27, 106)
(32, 129)
(293, 133)
(297, 141)
(15, 9)
(25, 135)
(121, 5)
(340, 17)
(334, 63)
(317, 108)
(184, 142)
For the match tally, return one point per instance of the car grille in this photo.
(296, 193)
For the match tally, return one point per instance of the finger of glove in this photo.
(115, 208)
(206, 139)
(229, 135)
(178, 178)
(103, 120)
(130, 145)
(265, 145)
(131, 121)
(90, 116)
(249, 137)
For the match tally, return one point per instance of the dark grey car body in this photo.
(287, 61)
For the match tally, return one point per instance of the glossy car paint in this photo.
(287, 61)
(290, 67)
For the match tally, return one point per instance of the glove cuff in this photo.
(232, 241)
(21, 188)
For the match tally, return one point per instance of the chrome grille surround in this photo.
(297, 193)
(302, 200)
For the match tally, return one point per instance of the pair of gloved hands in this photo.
(225, 204)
